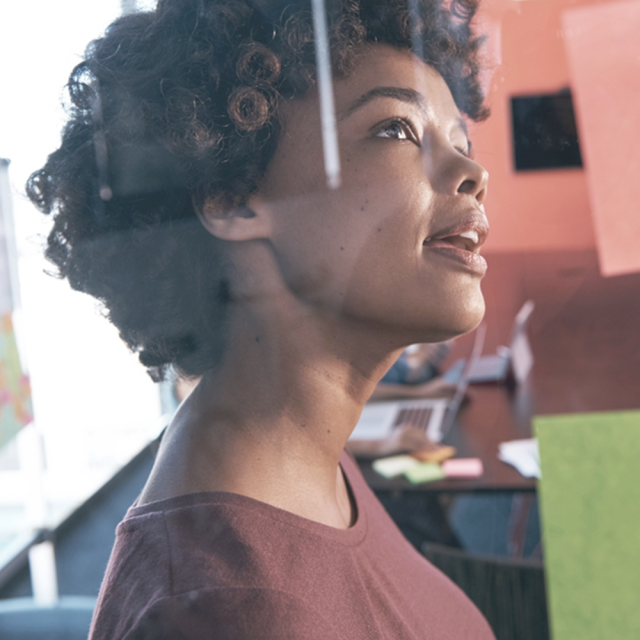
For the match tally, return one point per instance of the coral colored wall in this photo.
(534, 210)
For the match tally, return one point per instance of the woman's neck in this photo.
(271, 421)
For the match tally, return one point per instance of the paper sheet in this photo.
(523, 455)
(601, 41)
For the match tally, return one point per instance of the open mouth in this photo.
(460, 242)
(465, 241)
(460, 246)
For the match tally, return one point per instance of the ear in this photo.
(251, 222)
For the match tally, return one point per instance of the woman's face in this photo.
(396, 245)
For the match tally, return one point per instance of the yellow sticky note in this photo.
(394, 465)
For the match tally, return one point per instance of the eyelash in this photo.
(406, 126)
(467, 153)
(412, 137)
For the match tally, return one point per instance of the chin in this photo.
(474, 315)
(459, 320)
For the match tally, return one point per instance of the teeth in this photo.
(471, 235)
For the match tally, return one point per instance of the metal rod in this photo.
(325, 90)
(416, 39)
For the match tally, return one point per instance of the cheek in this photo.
(358, 239)
(383, 261)
(314, 244)
(395, 286)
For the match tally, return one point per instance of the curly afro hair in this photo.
(181, 104)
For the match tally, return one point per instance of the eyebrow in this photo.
(410, 96)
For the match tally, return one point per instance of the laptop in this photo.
(434, 415)
(517, 357)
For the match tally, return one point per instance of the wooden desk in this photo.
(585, 336)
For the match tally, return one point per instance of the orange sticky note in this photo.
(437, 453)
(604, 61)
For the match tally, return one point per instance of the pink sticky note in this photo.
(601, 41)
(462, 468)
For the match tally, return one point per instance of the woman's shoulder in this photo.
(221, 538)
(202, 559)
(241, 613)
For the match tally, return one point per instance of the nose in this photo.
(473, 180)
(452, 172)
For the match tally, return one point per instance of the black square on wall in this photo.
(544, 132)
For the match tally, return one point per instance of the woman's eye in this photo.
(396, 130)
(466, 150)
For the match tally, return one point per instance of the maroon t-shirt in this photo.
(222, 566)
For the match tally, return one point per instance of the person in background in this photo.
(191, 197)
(416, 374)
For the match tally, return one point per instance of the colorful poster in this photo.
(15, 391)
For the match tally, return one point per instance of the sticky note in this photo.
(394, 465)
(437, 453)
(590, 512)
(601, 41)
(424, 472)
(463, 468)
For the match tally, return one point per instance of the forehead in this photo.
(385, 66)
(379, 70)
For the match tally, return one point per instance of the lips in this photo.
(461, 241)
(467, 234)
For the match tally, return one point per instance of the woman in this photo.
(191, 199)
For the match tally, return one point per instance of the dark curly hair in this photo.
(181, 104)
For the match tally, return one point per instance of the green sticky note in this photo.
(590, 512)
(394, 466)
(424, 472)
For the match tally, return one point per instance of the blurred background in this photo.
(95, 405)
